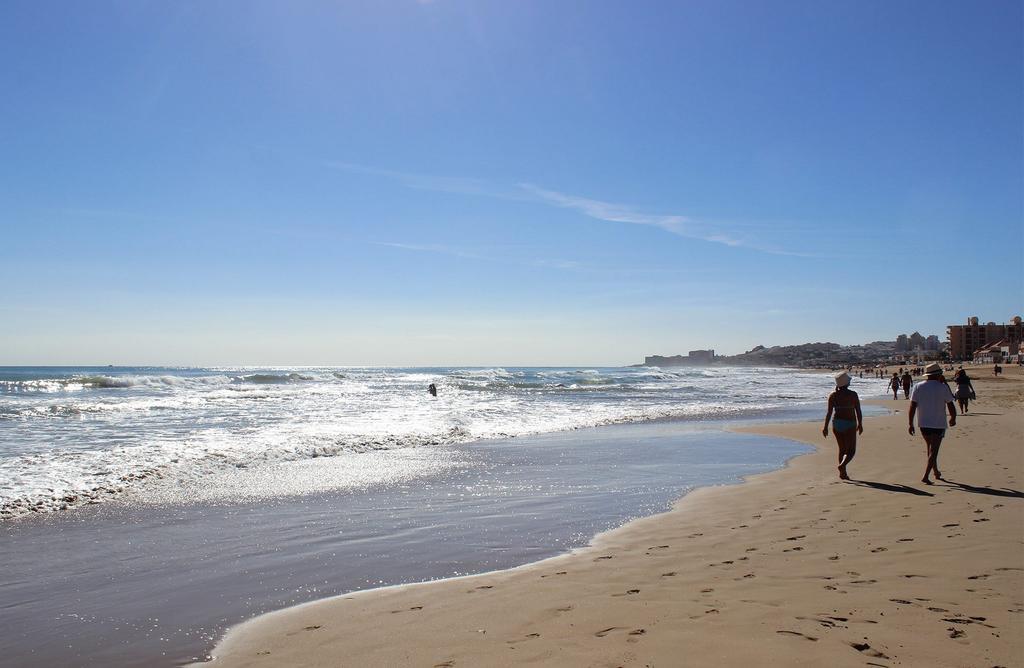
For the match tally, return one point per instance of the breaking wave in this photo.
(77, 436)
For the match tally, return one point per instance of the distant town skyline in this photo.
(489, 183)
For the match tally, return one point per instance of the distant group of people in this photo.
(901, 379)
(930, 401)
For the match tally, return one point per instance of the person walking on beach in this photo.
(964, 389)
(930, 401)
(908, 382)
(847, 421)
(894, 385)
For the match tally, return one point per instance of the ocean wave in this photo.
(185, 424)
(62, 480)
(274, 379)
(102, 381)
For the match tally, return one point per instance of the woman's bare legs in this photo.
(847, 442)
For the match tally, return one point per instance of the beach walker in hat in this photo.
(847, 420)
(931, 401)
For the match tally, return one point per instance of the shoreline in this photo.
(156, 583)
(621, 593)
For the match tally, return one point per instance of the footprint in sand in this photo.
(865, 648)
(826, 622)
(603, 632)
(801, 635)
(968, 620)
(566, 608)
(311, 628)
(707, 591)
(880, 549)
(950, 526)
(607, 556)
(446, 664)
(955, 632)
(669, 574)
(628, 592)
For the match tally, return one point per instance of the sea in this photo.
(146, 510)
(83, 435)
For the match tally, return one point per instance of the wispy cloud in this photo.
(683, 226)
(680, 225)
(617, 213)
(433, 248)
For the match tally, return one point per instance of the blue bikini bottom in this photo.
(839, 425)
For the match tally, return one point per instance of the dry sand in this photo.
(792, 567)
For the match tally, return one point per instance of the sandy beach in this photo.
(792, 567)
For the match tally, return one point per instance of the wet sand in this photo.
(138, 583)
(793, 567)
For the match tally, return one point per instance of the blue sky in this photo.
(419, 183)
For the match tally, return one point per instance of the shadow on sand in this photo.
(1006, 493)
(886, 487)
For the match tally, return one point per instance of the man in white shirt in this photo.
(930, 402)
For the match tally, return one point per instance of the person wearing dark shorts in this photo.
(931, 401)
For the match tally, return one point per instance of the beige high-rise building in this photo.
(965, 339)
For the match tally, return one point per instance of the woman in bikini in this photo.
(847, 423)
(894, 385)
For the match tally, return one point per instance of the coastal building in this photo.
(702, 356)
(965, 340)
(996, 353)
(916, 342)
(694, 358)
